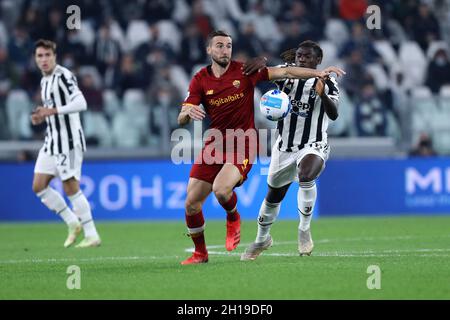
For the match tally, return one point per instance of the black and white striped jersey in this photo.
(307, 121)
(64, 130)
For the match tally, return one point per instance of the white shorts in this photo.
(283, 165)
(64, 165)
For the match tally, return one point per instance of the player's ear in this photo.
(208, 50)
(319, 60)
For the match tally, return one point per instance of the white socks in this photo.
(267, 215)
(55, 202)
(82, 209)
(306, 199)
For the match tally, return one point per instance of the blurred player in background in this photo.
(301, 149)
(226, 93)
(62, 152)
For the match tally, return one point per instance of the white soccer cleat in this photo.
(255, 249)
(89, 242)
(74, 231)
(305, 243)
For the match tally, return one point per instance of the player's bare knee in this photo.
(192, 207)
(222, 194)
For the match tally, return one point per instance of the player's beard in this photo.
(221, 62)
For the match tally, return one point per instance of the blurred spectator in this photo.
(425, 27)
(310, 24)
(106, 50)
(248, 40)
(355, 70)
(266, 27)
(9, 76)
(193, 47)
(130, 77)
(91, 10)
(359, 40)
(163, 114)
(202, 20)
(294, 36)
(51, 28)
(157, 10)
(93, 95)
(20, 47)
(424, 147)
(371, 118)
(72, 45)
(31, 22)
(438, 73)
(352, 10)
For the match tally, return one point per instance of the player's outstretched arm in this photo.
(290, 72)
(190, 111)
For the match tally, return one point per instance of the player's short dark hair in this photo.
(313, 45)
(216, 33)
(288, 56)
(47, 44)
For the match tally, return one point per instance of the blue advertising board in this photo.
(132, 190)
(400, 186)
(157, 190)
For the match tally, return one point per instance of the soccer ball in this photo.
(275, 105)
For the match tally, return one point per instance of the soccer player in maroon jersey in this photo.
(226, 93)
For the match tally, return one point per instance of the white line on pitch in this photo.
(56, 260)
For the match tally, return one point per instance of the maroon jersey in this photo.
(227, 100)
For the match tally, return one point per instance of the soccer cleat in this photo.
(89, 242)
(233, 234)
(74, 231)
(305, 243)
(256, 248)
(197, 257)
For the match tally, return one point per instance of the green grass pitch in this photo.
(141, 260)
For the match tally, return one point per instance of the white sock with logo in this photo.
(306, 199)
(55, 202)
(82, 209)
(267, 215)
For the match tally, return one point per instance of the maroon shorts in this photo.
(205, 171)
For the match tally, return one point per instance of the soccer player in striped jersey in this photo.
(301, 149)
(62, 153)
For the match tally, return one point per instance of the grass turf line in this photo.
(141, 260)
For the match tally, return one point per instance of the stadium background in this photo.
(389, 146)
(134, 63)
